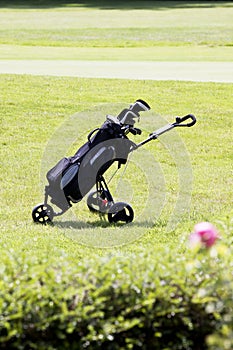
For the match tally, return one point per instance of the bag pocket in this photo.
(69, 175)
(54, 175)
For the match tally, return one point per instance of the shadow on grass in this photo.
(79, 225)
(101, 234)
(108, 4)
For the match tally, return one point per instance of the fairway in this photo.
(181, 53)
(82, 283)
(189, 71)
(34, 107)
(163, 31)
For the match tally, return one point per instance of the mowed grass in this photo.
(183, 178)
(34, 107)
(156, 32)
(178, 53)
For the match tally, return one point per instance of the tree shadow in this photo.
(108, 4)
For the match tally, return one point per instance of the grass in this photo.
(182, 179)
(157, 53)
(170, 33)
(34, 107)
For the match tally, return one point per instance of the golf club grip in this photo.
(180, 121)
(135, 131)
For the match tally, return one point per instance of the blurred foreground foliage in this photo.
(151, 300)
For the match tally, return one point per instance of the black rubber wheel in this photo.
(98, 203)
(43, 214)
(120, 212)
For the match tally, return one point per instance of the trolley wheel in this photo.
(42, 213)
(98, 203)
(120, 212)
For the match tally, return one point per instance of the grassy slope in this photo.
(169, 33)
(32, 109)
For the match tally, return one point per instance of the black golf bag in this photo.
(72, 178)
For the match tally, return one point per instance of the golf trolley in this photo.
(72, 178)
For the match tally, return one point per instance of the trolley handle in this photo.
(180, 121)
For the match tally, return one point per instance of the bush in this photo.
(154, 300)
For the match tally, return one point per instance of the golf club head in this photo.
(139, 106)
(129, 115)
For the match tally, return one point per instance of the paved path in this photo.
(194, 71)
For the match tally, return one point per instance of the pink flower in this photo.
(205, 234)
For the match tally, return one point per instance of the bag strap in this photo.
(91, 133)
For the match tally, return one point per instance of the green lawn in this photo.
(32, 109)
(82, 281)
(155, 53)
(150, 33)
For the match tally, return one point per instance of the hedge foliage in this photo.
(153, 300)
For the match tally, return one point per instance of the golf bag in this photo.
(66, 183)
(73, 177)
